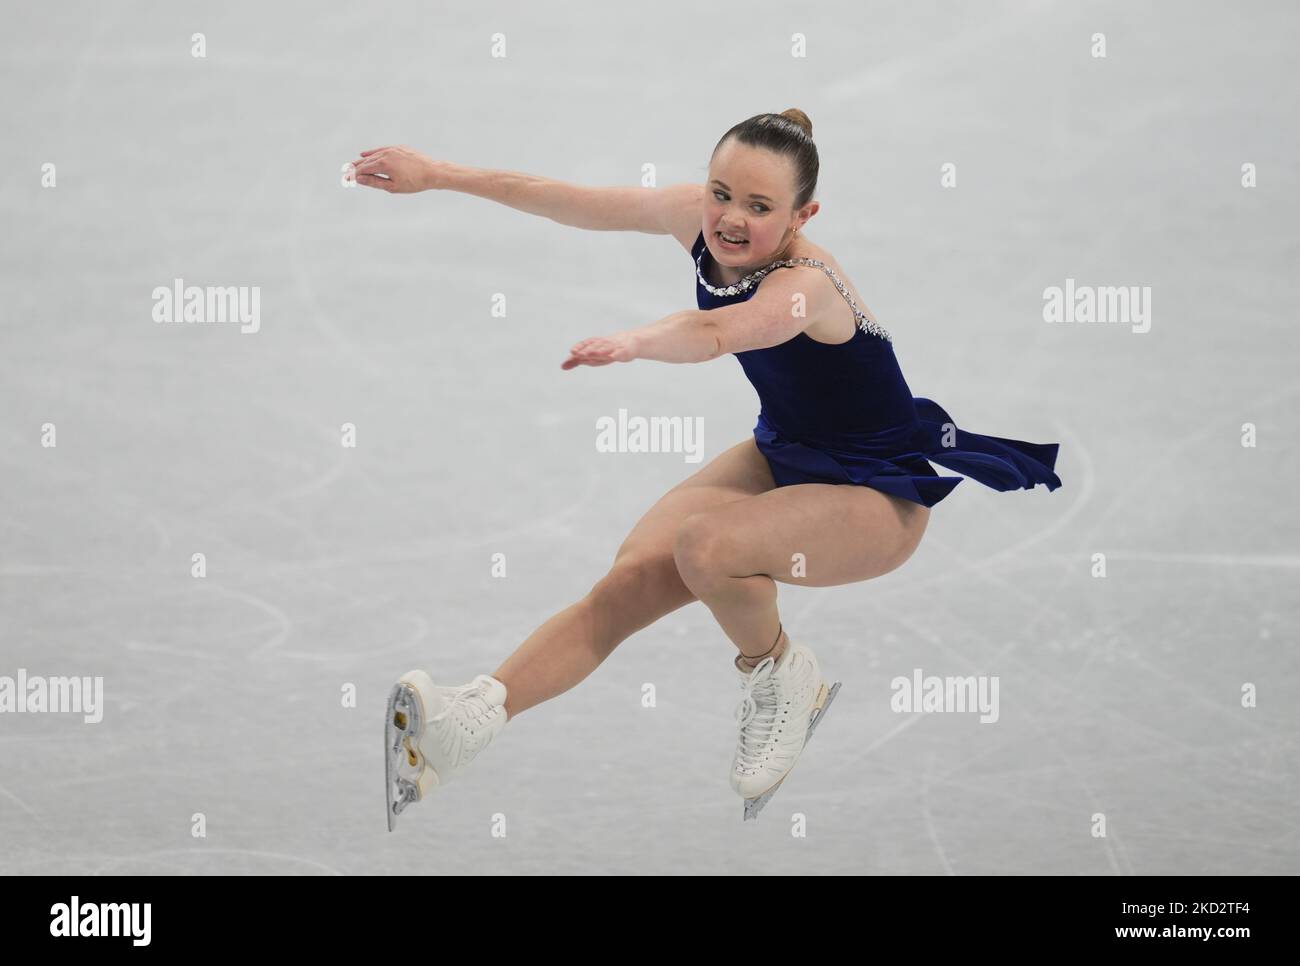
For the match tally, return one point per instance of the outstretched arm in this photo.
(685, 336)
(656, 211)
(784, 305)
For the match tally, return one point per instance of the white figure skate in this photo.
(431, 733)
(783, 702)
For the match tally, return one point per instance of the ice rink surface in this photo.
(1121, 696)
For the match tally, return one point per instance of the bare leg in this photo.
(745, 608)
(642, 585)
(732, 556)
(562, 652)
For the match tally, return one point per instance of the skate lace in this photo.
(468, 703)
(757, 715)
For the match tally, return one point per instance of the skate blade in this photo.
(401, 725)
(824, 698)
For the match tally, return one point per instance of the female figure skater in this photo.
(836, 474)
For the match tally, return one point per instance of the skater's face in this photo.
(750, 195)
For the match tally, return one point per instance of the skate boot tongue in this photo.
(481, 698)
(493, 690)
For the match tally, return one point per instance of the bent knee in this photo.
(701, 550)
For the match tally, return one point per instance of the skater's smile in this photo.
(747, 205)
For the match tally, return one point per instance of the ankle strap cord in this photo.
(779, 628)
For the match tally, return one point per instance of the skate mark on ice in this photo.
(21, 804)
(283, 623)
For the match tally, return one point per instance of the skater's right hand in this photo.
(398, 169)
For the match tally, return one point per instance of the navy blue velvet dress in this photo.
(844, 414)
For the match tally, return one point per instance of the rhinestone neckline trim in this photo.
(749, 281)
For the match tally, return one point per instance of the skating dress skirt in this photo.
(844, 414)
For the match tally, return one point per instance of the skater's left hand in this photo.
(602, 350)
